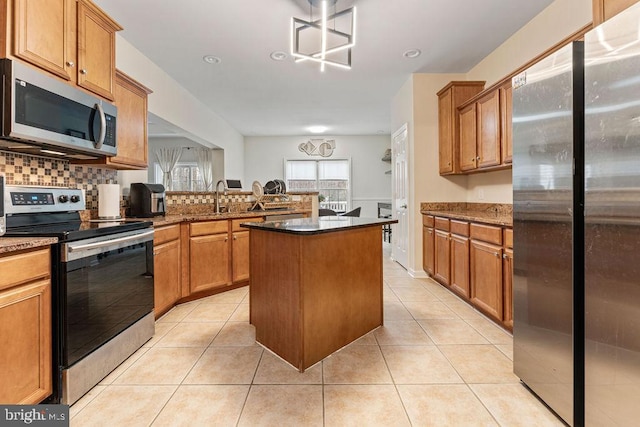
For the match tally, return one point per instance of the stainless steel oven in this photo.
(102, 284)
(106, 288)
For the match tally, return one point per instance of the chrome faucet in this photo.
(224, 188)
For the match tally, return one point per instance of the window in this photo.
(330, 178)
(184, 177)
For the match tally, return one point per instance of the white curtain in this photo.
(167, 159)
(204, 158)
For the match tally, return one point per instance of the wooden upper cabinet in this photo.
(485, 131)
(45, 35)
(605, 9)
(489, 130)
(468, 137)
(72, 39)
(96, 50)
(506, 116)
(449, 98)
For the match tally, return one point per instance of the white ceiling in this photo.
(259, 96)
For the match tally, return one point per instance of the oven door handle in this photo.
(120, 241)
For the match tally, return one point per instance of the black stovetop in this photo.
(67, 226)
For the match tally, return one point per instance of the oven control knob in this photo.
(63, 198)
(75, 198)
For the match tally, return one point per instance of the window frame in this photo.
(158, 175)
(317, 180)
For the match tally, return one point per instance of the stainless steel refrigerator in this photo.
(576, 181)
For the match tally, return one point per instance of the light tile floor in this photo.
(435, 362)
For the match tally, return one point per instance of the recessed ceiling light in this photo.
(412, 53)
(210, 59)
(317, 129)
(278, 55)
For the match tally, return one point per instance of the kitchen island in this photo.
(316, 284)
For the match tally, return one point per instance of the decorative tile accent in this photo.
(21, 169)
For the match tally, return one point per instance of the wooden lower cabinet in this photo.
(428, 250)
(240, 256)
(486, 290)
(166, 266)
(25, 327)
(460, 265)
(442, 257)
(507, 267)
(208, 262)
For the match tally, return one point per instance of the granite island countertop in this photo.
(487, 213)
(324, 224)
(13, 244)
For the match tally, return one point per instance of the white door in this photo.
(400, 178)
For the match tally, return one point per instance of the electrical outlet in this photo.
(480, 194)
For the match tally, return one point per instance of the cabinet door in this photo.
(488, 128)
(96, 51)
(445, 131)
(460, 265)
(208, 262)
(486, 278)
(166, 268)
(131, 126)
(240, 256)
(468, 140)
(507, 266)
(44, 35)
(25, 355)
(428, 250)
(606, 9)
(506, 113)
(442, 257)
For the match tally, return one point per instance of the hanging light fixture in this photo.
(328, 40)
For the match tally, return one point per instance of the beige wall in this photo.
(173, 103)
(416, 104)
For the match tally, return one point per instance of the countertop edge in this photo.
(377, 222)
(15, 244)
(471, 216)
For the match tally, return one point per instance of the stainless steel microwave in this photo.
(45, 116)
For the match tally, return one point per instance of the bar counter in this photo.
(316, 284)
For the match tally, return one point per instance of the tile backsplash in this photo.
(21, 169)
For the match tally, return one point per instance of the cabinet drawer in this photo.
(459, 227)
(486, 233)
(165, 234)
(24, 267)
(442, 223)
(508, 238)
(235, 223)
(209, 227)
(428, 220)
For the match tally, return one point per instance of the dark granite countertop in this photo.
(13, 244)
(160, 221)
(324, 224)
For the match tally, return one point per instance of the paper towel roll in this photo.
(108, 201)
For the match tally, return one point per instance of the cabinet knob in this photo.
(497, 255)
(235, 237)
(83, 71)
(226, 239)
(478, 158)
(70, 64)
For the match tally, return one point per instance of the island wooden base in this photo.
(312, 294)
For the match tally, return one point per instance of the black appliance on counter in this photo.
(102, 284)
(147, 200)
